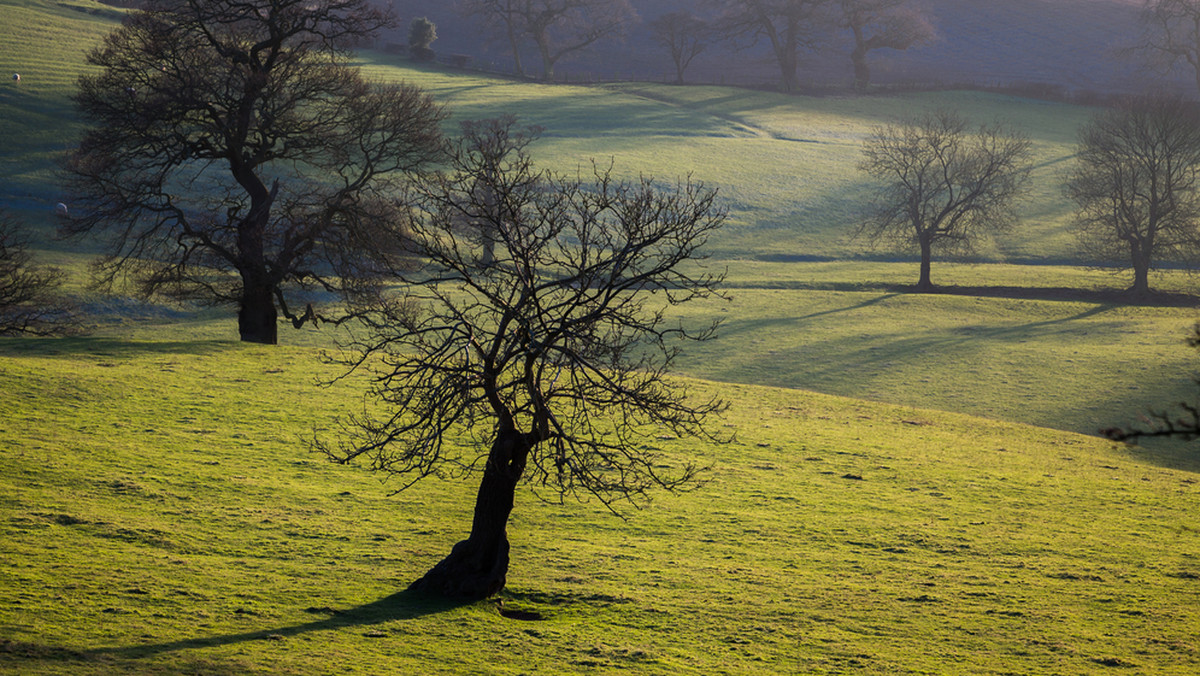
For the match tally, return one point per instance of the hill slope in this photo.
(182, 528)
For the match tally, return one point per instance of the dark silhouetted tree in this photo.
(553, 356)
(1136, 185)
(882, 24)
(683, 34)
(421, 34)
(941, 184)
(31, 302)
(1172, 34)
(790, 26)
(234, 156)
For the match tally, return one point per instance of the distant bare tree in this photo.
(789, 25)
(942, 185)
(882, 24)
(1172, 34)
(30, 299)
(1137, 185)
(682, 33)
(552, 357)
(556, 27)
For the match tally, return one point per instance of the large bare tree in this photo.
(882, 24)
(233, 154)
(942, 185)
(684, 35)
(555, 27)
(1172, 34)
(1137, 185)
(790, 26)
(545, 361)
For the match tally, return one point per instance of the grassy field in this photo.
(161, 513)
(785, 165)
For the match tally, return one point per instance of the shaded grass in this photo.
(45, 42)
(1072, 365)
(785, 165)
(160, 515)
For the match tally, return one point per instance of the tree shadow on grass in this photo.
(105, 347)
(405, 605)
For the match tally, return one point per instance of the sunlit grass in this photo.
(161, 515)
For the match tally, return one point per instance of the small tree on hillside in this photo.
(234, 156)
(684, 35)
(31, 302)
(882, 24)
(553, 356)
(942, 185)
(1137, 185)
(421, 34)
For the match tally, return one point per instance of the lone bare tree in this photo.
(31, 302)
(1172, 34)
(790, 26)
(942, 185)
(683, 34)
(554, 355)
(234, 155)
(1137, 185)
(882, 24)
(556, 27)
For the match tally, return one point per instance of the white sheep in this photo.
(16, 77)
(61, 210)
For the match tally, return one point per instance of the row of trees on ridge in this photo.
(1170, 29)
(558, 28)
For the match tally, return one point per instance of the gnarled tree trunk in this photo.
(925, 283)
(477, 567)
(258, 320)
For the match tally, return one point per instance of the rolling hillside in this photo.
(161, 513)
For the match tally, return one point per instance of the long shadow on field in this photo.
(105, 347)
(401, 606)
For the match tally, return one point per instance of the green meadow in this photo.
(914, 484)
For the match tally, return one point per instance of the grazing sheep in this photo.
(16, 77)
(61, 210)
